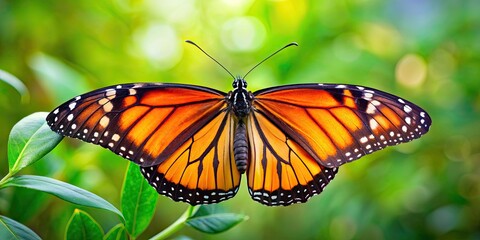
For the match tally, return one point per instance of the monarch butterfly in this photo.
(193, 143)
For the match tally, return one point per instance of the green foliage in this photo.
(29, 140)
(138, 201)
(214, 219)
(11, 229)
(83, 227)
(16, 84)
(117, 233)
(62, 190)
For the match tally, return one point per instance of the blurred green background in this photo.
(426, 51)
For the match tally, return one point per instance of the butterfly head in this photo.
(239, 83)
(240, 98)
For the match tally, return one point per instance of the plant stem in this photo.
(177, 225)
(6, 178)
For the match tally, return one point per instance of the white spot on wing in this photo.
(104, 121)
(115, 137)
(103, 101)
(110, 93)
(72, 105)
(408, 120)
(108, 107)
(407, 108)
(371, 108)
(367, 95)
(373, 124)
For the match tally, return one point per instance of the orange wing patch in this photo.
(336, 124)
(281, 172)
(203, 169)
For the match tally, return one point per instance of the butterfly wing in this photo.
(180, 134)
(202, 170)
(145, 123)
(280, 171)
(336, 124)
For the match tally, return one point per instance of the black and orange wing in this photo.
(336, 124)
(181, 135)
(280, 171)
(202, 170)
(143, 122)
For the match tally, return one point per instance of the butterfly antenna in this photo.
(271, 55)
(194, 44)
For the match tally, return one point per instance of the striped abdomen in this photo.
(240, 147)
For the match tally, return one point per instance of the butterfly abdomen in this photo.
(240, 147)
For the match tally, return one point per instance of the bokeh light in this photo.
(411, 70)
(243, 34)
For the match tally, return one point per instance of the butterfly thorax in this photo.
(240, 98)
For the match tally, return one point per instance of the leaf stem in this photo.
(6, 178)
(177, 225)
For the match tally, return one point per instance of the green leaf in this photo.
(62, 190)
(29, 140)
(61, 80)
(138, 201)
(213, 219)
(117, 233)
(15, 83)
(11, 229)
(83, 227)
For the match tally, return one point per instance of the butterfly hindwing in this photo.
(144, 123)
(202, 170)
(336, 124)
(280, 171)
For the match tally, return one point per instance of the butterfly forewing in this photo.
(203, 169)
(144, 123)
(336, 124)
(280, 171)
